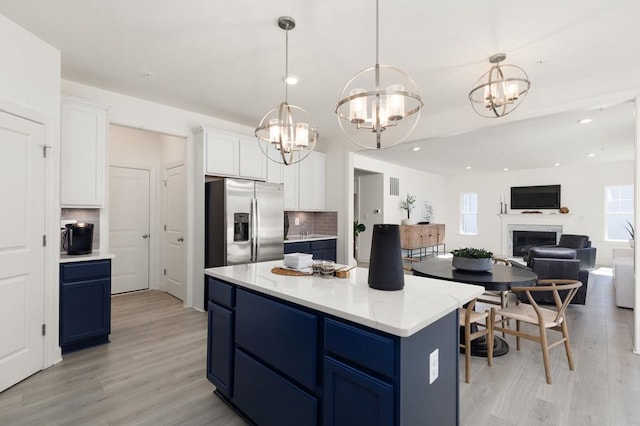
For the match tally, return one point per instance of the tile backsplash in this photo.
(87, 216)
(325, 223)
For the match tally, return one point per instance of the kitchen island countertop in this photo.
(422, 302)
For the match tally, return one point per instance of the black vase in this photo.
(385, 261)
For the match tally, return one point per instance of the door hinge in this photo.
(165, 272)
(165, 227)
(44, 150)
(44, 329)
(44, 241)
(164, 181)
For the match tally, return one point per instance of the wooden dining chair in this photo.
(500, 298)
(468, 316)
(546, 319)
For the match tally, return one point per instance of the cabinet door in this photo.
(300, 247)
(275, 171)
(85, 310)
(291, 184)
(82, 154)
(253, 163)
(222, 154)
(430, 236)
(312, 173)
(440, 230)
(352, 397)
(220, 349)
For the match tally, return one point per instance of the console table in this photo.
(421, 238)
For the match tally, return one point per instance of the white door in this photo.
(129, 228)
(21, 249)
(176, 273)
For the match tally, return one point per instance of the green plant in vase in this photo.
(408, 204)
(472, 259)
(357, 229)
(629, 228)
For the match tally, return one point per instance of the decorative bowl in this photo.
(472, 264)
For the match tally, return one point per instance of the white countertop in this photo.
(96, 255)
(310, 237)
(402, 313)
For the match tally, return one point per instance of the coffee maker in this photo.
(78, 238)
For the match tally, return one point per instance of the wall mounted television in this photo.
(535, 197)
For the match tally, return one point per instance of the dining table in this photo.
(500, 278)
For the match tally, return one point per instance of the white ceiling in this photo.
(226, 59)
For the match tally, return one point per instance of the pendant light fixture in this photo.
(500, 90)
(379, 100)
(285, 134)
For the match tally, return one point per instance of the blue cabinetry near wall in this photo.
(221, 313)
(320, 249)
(85, 304)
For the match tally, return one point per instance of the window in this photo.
(469, 213)
(618, 210)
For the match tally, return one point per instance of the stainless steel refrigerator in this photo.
(243, 222)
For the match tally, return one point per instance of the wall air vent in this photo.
(394, 186)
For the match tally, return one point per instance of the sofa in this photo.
(550, 262)
(581, 244)
(623, 281)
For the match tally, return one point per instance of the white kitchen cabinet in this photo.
(290, 178)
(275, 171)
(312, 175)
(222, 153)
(82, 153)
(229, 154)
(253, 162)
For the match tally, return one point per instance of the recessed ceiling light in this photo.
(585, 121)
(291, 80)
(468, 167)
(506, 169)
(591, 154)
(147, 74)
(556, 164)
(416, 148)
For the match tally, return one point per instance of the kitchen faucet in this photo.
(305, 233)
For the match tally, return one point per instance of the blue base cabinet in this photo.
(277, 363)
(320, 249)
(85, 304)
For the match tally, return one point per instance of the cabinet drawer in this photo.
(360, 347)
(221, 292)
(323, 244)
(268, 399)
(77, 271)
(304, 247)
(282, 336)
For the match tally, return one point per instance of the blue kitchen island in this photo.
(303, 350)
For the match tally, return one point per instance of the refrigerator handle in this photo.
(256, 234)
(253, 234)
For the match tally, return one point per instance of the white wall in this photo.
(30, 88)
(582, 192)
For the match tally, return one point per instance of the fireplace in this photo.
(524, 240)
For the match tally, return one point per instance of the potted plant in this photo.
(630, 230)
(408, 204)
(472, 259)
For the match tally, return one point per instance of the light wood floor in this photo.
(153, 372)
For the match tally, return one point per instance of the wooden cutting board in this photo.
(283, 271)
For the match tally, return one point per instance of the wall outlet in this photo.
(433, 366)
(296, 221)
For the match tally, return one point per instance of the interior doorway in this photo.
(158, 153)
(368, 208)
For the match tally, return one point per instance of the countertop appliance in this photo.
(78, 238)
(243, 222)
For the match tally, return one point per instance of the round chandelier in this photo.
(500, 90)
(285, 133)
(379, 100)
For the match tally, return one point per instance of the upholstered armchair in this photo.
(581, 244)
(551, 262)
